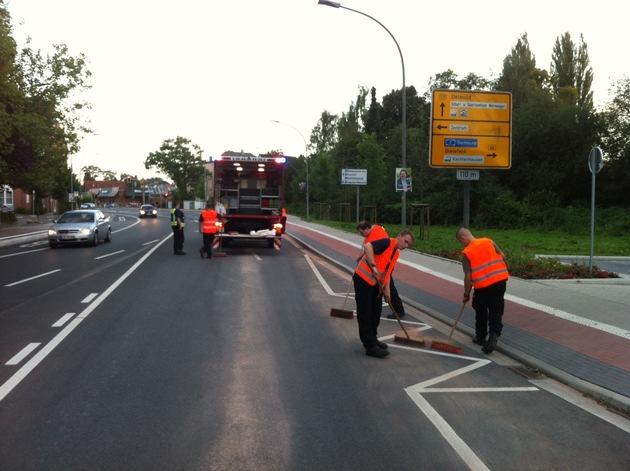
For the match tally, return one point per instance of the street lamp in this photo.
(305, 158)
(404, 99)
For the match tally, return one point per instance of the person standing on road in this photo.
(375, 232)
(208, 228)
(372, 283)
(178, 222)
(220, 209)
(486, 271)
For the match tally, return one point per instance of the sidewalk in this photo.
(26, 228)
(575, 331)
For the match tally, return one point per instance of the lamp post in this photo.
(306, 159)
(404, 99)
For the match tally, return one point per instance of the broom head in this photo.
(405, 338)
(341, 313)
(446, 347)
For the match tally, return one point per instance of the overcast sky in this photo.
(219, 71)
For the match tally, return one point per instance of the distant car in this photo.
(88, 206)
(6, 208)
(81, 226)
(147, 211)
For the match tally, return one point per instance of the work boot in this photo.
(381, 345)
(491, 344)
(201, 252)
(376, 352)
(479, 340)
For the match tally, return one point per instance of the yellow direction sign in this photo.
(471, 129)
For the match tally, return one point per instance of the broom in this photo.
(446, 346)
(342, 312)
(407, 339)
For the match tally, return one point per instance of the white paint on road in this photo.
(32, 278)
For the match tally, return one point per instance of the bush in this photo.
(7, 218)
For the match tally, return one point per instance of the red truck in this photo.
(251, 188)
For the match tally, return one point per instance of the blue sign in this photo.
(452, 142)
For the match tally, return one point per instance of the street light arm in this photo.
(404, 97)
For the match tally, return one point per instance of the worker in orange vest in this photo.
(374, 232)
(486, 271)
(372, 283)
(208, 228)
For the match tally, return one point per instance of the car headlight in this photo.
(85, 231)
(52, 232)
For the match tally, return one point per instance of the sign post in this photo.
(595, 164)
(354, 176)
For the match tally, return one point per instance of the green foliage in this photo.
(40, 117)
(181, 160)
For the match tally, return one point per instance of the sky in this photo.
(220, 72)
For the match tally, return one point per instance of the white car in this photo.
(88, 206)
(81, 226)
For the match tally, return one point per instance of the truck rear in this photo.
(251, 188)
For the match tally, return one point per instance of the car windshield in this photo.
(76, 217)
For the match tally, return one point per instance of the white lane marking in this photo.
(22, 354)
(319, 276)
(151, 242)
(32, 278)
(65, 318)
(22, 253)
(109, 255)
(89, 298)
(515, 299)
(19, 375)
(460, 447)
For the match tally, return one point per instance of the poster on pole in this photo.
(403, 179)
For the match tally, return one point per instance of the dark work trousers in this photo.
(397, 303)
(178, 239)
(369, 307)
(488, 304)
(207, 243)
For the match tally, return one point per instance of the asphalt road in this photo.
(139, 359)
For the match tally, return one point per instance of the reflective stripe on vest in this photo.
(209, 222)
(174, 219)
(382, 263)
(486, 264)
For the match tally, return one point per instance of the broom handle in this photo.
(349, 285)
(347, 294)
(456, 322)
(380, 285)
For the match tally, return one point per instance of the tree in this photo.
(40, 117)
(571, 73)
(180, 160)
(615, 142)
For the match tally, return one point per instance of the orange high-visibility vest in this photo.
(209, 222)
(377, 232)
(486, 264)
(384, 262)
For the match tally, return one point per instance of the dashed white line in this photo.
(65, 318)
(22, 354)
(32, 278)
